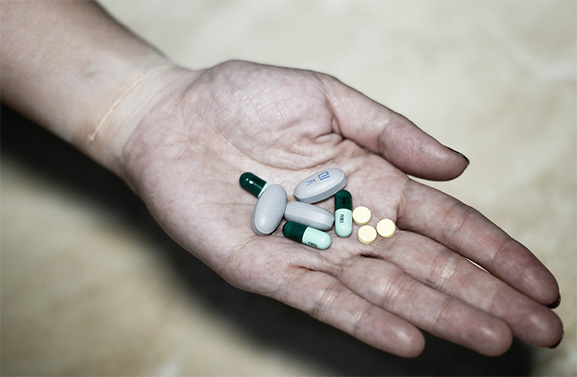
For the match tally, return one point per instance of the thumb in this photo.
(391, 135)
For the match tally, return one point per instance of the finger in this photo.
(437, 266)
(461, 228)
(448, 272)
(389, 134)
(388, 286)
(325, 298)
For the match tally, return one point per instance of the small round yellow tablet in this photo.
(361, 215)
(367, 234)
(386, 228)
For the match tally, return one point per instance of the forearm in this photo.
(67, 65)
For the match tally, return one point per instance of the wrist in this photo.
(110, 140)
(67, 65)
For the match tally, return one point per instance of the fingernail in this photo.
(459, 154)
(559, 342)
(555, 304)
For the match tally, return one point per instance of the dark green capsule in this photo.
(253, 184)
(343, 199)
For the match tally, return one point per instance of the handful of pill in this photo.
(306, 222)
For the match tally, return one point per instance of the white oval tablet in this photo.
(321, 185)
(269, 210)
(309, 215)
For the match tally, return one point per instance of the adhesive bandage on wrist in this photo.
(118, 100)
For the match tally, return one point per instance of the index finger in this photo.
(391, 135)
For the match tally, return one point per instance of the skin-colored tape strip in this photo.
(116, 102)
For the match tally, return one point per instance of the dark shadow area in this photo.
(265, 320)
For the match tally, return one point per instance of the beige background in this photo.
(91, 286)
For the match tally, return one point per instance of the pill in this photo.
(309, 215)
(343, 213)
(367, 234)
(253, 184)
(306, 235)
(361, 215)
(269, 210)
(321, 185)
(386, 228)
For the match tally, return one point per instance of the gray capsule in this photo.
(309, 215)
(321, 185)
(269, 210)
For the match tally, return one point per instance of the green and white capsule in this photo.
(343, 213)
(306, 235)
(253, 184)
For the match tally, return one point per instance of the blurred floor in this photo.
(91, 285)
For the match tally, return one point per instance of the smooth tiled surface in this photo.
(90, 285)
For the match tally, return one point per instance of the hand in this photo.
(203, 130)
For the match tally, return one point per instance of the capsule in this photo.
(253, 184)
(306, 235)
(343, 213)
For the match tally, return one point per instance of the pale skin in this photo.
(181, 138)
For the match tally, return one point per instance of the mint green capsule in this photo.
(343, 213)
(253, 184)
(306, 235)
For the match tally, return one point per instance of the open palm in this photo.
(188, 151)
